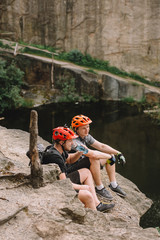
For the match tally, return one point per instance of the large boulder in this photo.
(54, 211)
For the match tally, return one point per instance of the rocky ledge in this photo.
(54, 211)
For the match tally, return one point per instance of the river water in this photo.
(119, 125)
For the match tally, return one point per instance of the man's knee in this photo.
(85, 172)
(94, 162)
(85, 196)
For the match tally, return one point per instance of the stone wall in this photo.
(124, 32)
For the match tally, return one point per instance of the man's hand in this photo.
(121, 159)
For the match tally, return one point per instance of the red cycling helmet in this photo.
(63, 134)
(80, 120)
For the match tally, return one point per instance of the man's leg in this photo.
(87, 199)
(94, 166)
(95, 170)
(111, 171)
(86, 178)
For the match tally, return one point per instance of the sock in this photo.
(114, 184)
(99, 187)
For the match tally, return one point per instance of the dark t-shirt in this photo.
(52, 155)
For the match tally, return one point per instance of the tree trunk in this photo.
(36, 168)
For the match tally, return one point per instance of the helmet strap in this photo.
(61, 144)
(63, 147)
(75, 130)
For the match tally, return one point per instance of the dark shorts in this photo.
(74, 177)
(81, 163)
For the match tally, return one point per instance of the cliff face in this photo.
(124, 32)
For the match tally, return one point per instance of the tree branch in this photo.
(6, 219)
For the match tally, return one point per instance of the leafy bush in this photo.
(10, 85)
(75, 56)
(69, 92)
(87, 98)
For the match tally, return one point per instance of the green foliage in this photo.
(157, 84)
(49, 48)
(27, 103)
(158, 229)
(128, 100)
(69, 92)
(143, 100)
(77, 57)
(6, 46)
(135, 84)
(86, 60)
(87, 98)
(10, 85)
(117, 71)
(23, 43)
(91, 71)
(155, 114)
(139, 78)
(36, 52)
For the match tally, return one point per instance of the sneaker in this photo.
(118, 190)
(104, 207)
(104, 193)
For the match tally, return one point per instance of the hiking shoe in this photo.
(118, 190)
(104, 193)
(104, 207)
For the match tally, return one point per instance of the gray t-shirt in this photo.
(87, 141)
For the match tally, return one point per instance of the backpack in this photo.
(41, 150)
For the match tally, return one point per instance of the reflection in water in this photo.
(114, 123)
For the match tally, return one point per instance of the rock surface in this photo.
(126, 33)
(54, 211)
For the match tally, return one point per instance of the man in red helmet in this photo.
(81, 179)
(80, 124)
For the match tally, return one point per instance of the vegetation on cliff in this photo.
(11, 80)
(67, 85)
(86, 60)
(75, 56)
